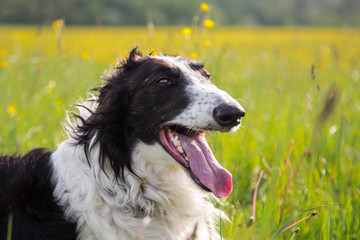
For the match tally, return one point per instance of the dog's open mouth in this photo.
(190, 149)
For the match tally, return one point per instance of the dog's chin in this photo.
(190, 149)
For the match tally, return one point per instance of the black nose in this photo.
(227, 115)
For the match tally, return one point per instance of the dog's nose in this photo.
(227, 115)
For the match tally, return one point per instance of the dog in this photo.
(136, 164)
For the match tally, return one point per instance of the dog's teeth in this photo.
(186, 158)
(180, 149)
(171, 134)
(175, 141)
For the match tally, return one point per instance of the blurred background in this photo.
(293, 64)
(165, 12)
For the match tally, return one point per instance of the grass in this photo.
(299, 86)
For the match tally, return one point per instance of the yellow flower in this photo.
(207, 44)
(85, 56)
(57, 24)
(153, 52)
(204, 7)
(186, 31)
(51, 85)
(193, 55)
(4, 64)
(11, 110)
(208, 23)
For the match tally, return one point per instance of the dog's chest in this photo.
(163, 204)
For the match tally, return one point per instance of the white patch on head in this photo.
(204, 97)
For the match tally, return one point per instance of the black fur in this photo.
(133, 105)
(26, 194)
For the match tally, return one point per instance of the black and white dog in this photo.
(136, 164)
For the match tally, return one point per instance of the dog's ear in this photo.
(135, 57)
(112, 134)
(107, 124)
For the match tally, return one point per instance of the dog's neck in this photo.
(161, 190)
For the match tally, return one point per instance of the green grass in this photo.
(9, 227)
(309, 116)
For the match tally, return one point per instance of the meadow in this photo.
(297, 152)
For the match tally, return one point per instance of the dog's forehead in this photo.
(184, 64)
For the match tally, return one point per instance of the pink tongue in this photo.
(204, 165)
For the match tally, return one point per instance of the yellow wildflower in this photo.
(204, 7)
(193, 55)
(4, 64)
(57, 24)
(51, 85)
(207, 44)
(153, 52)
(186, 31)
(208, 23)
(85, 56)
(11, 110)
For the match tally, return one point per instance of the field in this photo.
(299, 86)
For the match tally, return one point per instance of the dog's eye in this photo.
(164, 81)
(207, 74)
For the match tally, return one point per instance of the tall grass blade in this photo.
(10, 224)
(277, 233)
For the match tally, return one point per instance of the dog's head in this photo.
(168, 100)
